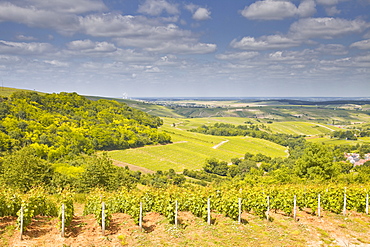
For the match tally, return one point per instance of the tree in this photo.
(217, 167)
(24, 170)
(100, 172)
(316, 163)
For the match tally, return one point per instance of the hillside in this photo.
(189, 150)
(339, 112)
(331, 230)
(7, 91)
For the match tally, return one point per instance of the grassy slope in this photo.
(152, 109)
(7, 91)
(301, 128)
(190, 150)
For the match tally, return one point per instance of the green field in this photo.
(327, 140)
(190, 150)
(7, 91)
(301, 128)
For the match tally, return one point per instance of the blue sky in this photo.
(164, 48)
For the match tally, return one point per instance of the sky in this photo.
(171, 48)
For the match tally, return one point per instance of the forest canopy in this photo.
(56, 125)
(52, 139)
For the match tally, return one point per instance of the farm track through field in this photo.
(326, 127)
(220, 144)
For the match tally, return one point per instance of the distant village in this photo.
(355, 158)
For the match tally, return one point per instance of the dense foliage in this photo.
(224, 199)
(67, 123)
(51, 139)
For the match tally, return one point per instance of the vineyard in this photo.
(189, 150)
(239, 206)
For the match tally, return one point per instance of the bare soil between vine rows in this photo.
(308, 230)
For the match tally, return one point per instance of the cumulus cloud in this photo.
(326, 28)
(199, 13)
(363, 44)
(264, 43)
(22, 48)
(202, 14)
(157, 7)
(90, 46)
(238, 55)
(278, 10)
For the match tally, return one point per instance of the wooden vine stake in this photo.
(319, 205)
(345, 202)
(268, 208)
(295, 208)
(240, 210)
(176, 209)
(367, 204)
(209, 211)
(21, 230)
(141, 216)
(63, 220)
(103, 218)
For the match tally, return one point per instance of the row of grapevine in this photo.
(33, 203)
(225, 200)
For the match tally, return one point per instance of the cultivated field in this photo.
(190, 150)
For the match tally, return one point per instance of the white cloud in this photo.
(265, 43)
(183, 48)
(22, 48)
(363, 59)
(163, 39)
(56, 63)
(326, 28)
(199, 13)
(26, 38)
(278, 10)
(33, 17)
(202, 14)
(116, 25)
(332, 49)
(65, 6)
(363, 44)
(307, 8)
(330, 2)
(90, 46)
(191, 7)
(291, 57)
(331, 11)
(238, 55)
(280, 56)
(156, 7)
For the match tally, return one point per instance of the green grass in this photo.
(7, 91)
(190, 150)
